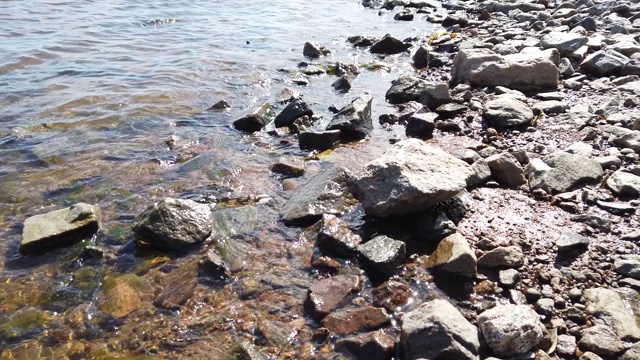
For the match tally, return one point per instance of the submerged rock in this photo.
(121, 295)
(58, 227)
(213, 266)
(511, 329)
(336, 237)
(346, 322)
(319, 140)
(329, 294)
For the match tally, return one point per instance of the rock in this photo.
(633, 353)
(174, 224)
(314, 50)
(346, 322)
(354, 120)
(627, 265)
(506, 169)
(589, 356)
(408, 178)
(361, 41)
(329, 294)
(505, 112)
(566, 345)
(243, 350)
(601, 340)
(289, 166)
(454, 256)
(222, 104)
(617, 208)
(434, 95)
(404, 89)
(383, 253)
(422, 57)
(343, 84)
(421, 125)
(324, 193)
(564, 173)
(566, 43)
(213, 266)
(482, 173)
(120, 296)
(437, 330)
(405, 15)
(570, 241)
(255, 121)
(389, 45)
(631, 236)
(59, 227)
(468, 60)
(508, 256)
(373, 345)
(608, 305)
(294, 110)
(319, 140)
(177, 287)
(511, 329)
(552, 107)
(391, 295)
(624, 184)
(604, 63)
(509, 278)
(451, 110)
(336, 237)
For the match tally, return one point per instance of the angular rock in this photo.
(329, 294)
(627, 265)
(59, 227)
(255, 121)
(468, 60)
(421, 125)
(422, 57)
(589, 356)
(373, 346)
(566, 43)
(319, 140)
(506, 111)
(354, 120)
(336, 237)
(633, 353)
(482, 173)
(361, 41)
(565, 172)
(624, 184)
(448, 111)
(506, 169)
(174, 224)
(601, 340)
(511, 329)
(404, 89)
(213, 266)
(244, 350)
(604, 63)
(294, 110)
(391, 295)
(570, 241)
(383, 253)
(608, 305)
(324, 193)
(346, 322)
(437, 330)
(343, 84)
(454, 256)
(289, 166)
(507, 256)
(389, 45)
(409, 177)
(566, 345)
(434, 95)
(314, 50)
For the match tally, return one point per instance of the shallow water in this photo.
(90, 92)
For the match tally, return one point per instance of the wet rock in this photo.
(361, 41)
(391, 295)
(506, 169)
(422, 57)
(314, 50)
(436, 329)
(601, 340)
(324, 193)
(624, 184)
(421, 125)
(373, 345)
(289, 166)
(59, 227)
(354, 120)
(389, 45)
(236, 222)
(628, 265)
(319, 140)
(570, 241)
(405, 15)
(404, 89)
(409, 177)
(342, 84)
(329, 294)
(243, 350)
(255, 121)
(565, 172)
(25, 322)
(120, 296)
(506, 111)
(453, 256)
(507, 256)
(177, 287)
(566, 43)
(608, 305)
(213, 266)
(222, 104)
(511, 329)
(383, 253)
(566, 345)
(336, 237)
(604, 63)
(435, 94)
(174, 224)
(346, 322)
(295, 109)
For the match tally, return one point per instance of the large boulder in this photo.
(511, 329)
(454, 256)
(563, 172)
(174, 224)
(408, 178)
(612, 308)
(437, 330)
(624, 184)
(354, 120)
(58, 227)
(506, 111)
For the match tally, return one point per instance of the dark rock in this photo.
(319, 140)
(451, 110)
(617, 208)
(421, 125)
(289, 166)
(314, 50)
(405, 89)
(343, 84)
(256, 120)
(213, 266)
(354, 120)
(222, 104)
(329, 294)
(362, 41)
(373, 346)
(389, 45)
(405, 15)
(434, 95)
(336, 237)
(604, 63)
(243, 350)
(627, 265)
(422, 57)
(391, 295)
(383, 254)
(455, 19)
(294, 110)
(346, 322)
(177, 287)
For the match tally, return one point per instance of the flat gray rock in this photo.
(564, 172)
(624, 184)
(604, 63)
(506, 111)
(511, 329)
(608, 306)
(566, 43)
(600, 339)
(628, 265)
(570, 241)
(354, 120)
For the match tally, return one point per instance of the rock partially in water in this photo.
(354, 120)
(511, 329)
(372, 346)
(342, 84)
(563, 173)
(319, 140)
(624, 184)
(405, 88)
(600, 339)
(454, 256)
(255, 121)
(177, 287)
(331, 293)
(438, 330)
(289, 166)
(408, 178)
(346, 322)
(243, 350)
(25, 322)
(383, 253)
(502, 257)
(315, 50)
(324, 193)
(59, 227)
(213, 266)
(220, 105)
(174, 224)
(422, 57)
(608, 305)
(391, 295)
(295, 109)
(336, 237)
(421, 125)
(120, 296)
(389, 45)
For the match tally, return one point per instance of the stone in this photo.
(294, 110)
(604, 63)
(213, 266)
(566, 345)
(391, 295)
(437, 330)
(453, 256)
(552, 107)
(342, 84)
(624, 184)
(511, 329)
(289, 166)
(177, 287)
(434, 95)
(631, 236)
(174, 224)
(617, 208)
(566, 43)
(404, 89)
(324, 193)
(405, 15)
(421, 57)
(383, 253)
(120, 296)
(389, 45)
(565, 172)
(319, 140)
(314, 50)
(509, 278)
(608, 306)
(345, 322)
(243, 350)
(336, 237)
(633, 353)
(468, 60)
(506, 112)
(408, 178)
(589, 356)
(372, 345)
(626, 47)
(255, 121)
(506, 169)
(220, 105)
(451, 110)
(331, 293)
(59, 227)
(361, 41)
(482, 173)
(601, 340)
(421, 125)
(502, 257)
(570, 241)
(354, 120)
(627, 265)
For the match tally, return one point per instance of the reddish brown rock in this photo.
(350, 321)
(391, 295)
(336, 237)
(372, 346)
(331, 293)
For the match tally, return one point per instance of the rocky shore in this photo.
(502, 222)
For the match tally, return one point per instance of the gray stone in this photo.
(383, 254)
(566, 43)
(331, 293)
(565, 172)
(604, 63)
(212, 265)
(570, 241)
(608, 162)
(589, 356)
(314, 50)
(405, 88)
(566, 345)
(608, 306)
(174, 224)
(502, 257)
(482, 173)
(294, 110)
(434, 95)
(421, 125)
(617, 208)
(624, 184)
(354, 120)
(506, 169)
(451, 110)
(342, 84)
(511, 329)
(631, 236)
(454, 256)
(336, 237)
(509, 278)
(552, 107)
(255, 121)
(372, 345)
(626, 47)
(628, 265)
(389, 45)
(633, 353)
(324, 193)
(437, 330)
(601, 340)
(289, 166)
(409, 177)
(506, 111)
